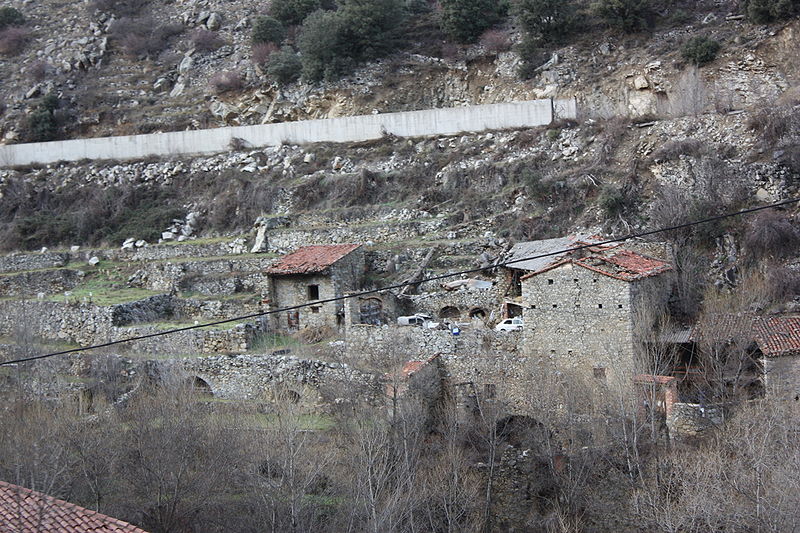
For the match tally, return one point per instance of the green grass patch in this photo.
(103, 291)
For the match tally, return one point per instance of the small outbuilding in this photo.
(312, 275)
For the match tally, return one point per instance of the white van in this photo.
(413, 320)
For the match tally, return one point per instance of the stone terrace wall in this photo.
(464, 300)
(211, 276)
(269, 378)
(346, 129)
(33, 261)
(32, 282)
(691, 419)
(285, 240)
(87, 324)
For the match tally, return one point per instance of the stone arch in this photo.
(523, 431)
(478, 312)
(289, 396)
(200, 386)
(449, 311)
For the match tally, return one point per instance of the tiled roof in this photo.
(617, 263)
(775, 336)
(27, 511)
(311, 259)
(624, 264)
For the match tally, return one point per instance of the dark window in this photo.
(599, 306)
(555, 305)
(575, 280)
(620, 306)
(313, 292)
(549, 281)
(315, 309)
(490, 391)
(599, 372)
(533, 307)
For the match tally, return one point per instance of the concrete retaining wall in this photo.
(347, 129)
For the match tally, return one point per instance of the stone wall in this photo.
(281, 379)
(346, 129)
(87, 324)
(583, 321)
(691, 419)
(212, 276)
(283, 240)
(482, 303)
(782, 377)
(33, 261)
(48, 281)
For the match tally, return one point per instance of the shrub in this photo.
(294, 12)
(12, 40)
(672, 150)
(495, 41)
(226, 81)
(765, 11)
(332, 43)
(204, 40)
(465, 20)
(771, 235)
(546, 21)
(262, 52)
(284, 66)
(628, 15)
(615, 200)
(37, 71)
(139, 37)
(700, 50)
(120, 8)
(10, 17)
(41, 124)
(268, 30)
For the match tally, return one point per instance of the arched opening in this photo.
(478, 313)
(523, 432)
(289, 396)
(371, 311)
(449, 311)
(200, 387)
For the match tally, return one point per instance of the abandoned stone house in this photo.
(584, 310)
(314, 274)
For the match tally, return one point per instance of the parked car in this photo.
(418, 319)
(509, 324)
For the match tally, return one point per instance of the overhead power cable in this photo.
(409, 282)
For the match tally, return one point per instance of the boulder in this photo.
(94, 260)
(214, 21)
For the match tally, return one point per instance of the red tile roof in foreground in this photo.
(775, 336)
(27, 511)
(311, 259)
(617, 263)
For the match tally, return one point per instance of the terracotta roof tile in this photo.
(775, 336)
(311, 259)
(616, 263)
(27, 511)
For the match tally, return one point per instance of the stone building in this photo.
(583, 310)
(314, 274)
(532, 256)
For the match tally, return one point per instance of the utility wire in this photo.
(409, 282)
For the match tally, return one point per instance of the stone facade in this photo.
(583, 322)
(690, 419)
(460, 305)
(782, 377)
(213, 276)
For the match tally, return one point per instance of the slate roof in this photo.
(311, 259)
(775, 336)
(522, 250)
(27, 511)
